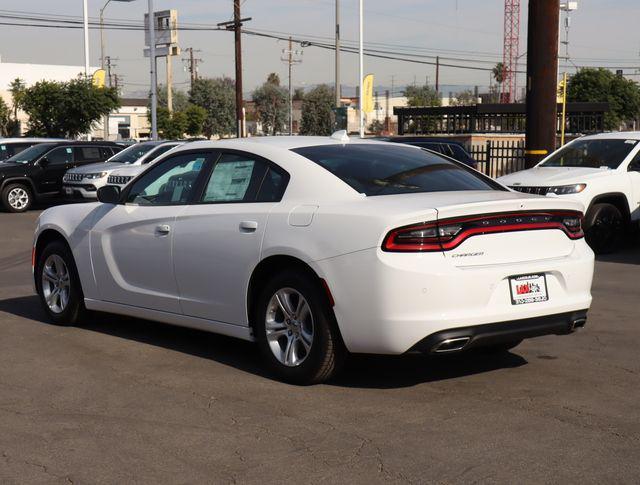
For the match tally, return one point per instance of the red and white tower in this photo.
(510, 49)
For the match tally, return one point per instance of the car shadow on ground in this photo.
(628, 254)
(360, 371)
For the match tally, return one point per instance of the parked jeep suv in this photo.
(37, 172)
(601, 171)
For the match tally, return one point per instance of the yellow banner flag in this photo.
(367, 93)
(98, 78)
(562, 88)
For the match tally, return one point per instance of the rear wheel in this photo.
(17, 198)
(296, 330)
(604, 228)
(58, 285)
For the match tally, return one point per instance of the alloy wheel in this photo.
(55, 283)
(289, 327)
(18, 198)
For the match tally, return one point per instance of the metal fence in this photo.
(498, 158)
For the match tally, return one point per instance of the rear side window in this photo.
(243, 178)
(85, 154)
(374, 169)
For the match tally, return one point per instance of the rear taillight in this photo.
(450, 233)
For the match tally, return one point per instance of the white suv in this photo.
(600, 171)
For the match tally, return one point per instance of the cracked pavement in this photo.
(122, 400)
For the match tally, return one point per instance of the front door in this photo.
(634, 178)
(131, 244)
(51, 168)
(218, 239)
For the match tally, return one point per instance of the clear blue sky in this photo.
(600, 30)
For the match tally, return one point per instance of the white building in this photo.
(31, 74)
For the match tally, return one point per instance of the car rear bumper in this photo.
(467, 338)
(388, 303)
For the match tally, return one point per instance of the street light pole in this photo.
(152, 63)
(102, 34)
(338, 94)
(85, 16)
(361, 71)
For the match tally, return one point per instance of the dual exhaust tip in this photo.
(460, 343)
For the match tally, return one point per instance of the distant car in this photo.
(122, 175)
(12, 146)
(84, 182)
(449, 148)
(37, 172)
(602, 172)
(315, 246)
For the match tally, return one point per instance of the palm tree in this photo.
(498, 72)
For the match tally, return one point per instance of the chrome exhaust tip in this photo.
(578, 323)
(451, 345)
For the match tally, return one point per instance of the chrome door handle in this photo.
(163, 230)
(248, 226)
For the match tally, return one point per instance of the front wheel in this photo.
(604, 228)
(16, 198)
(58, 285)
(296, 330)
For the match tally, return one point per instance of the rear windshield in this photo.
(592, 153)
(382, 169)
(133, 153)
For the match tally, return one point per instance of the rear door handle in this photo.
(248, 226)
(163, 230)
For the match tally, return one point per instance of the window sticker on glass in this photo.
(3, 147)
(69, 150)
(229, 181)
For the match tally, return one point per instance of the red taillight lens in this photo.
(450, 233)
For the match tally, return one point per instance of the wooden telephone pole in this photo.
(236, 26)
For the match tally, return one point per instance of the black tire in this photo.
(16, 197)
(500, 348)
(326, 353)
(605, 227)
(74, 311)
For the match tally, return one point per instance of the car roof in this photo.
(423, 139)
(30, 140)
(75, 142)
(614, 135)
(280, 142)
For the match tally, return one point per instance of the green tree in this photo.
(317, 111)
(171, 125)
(196, 117)
(66, 109)
(498, 72)
(217, 97)
(180, 99)
(5, 118)
(271, 102)
(422, 96)
(298, 94)
(602, 85)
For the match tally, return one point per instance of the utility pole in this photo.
(192, 65)
(288, 57)
(338, 90)
(236, 26)
(154, 79)
(542, 78)
(108, 65)
(361, 66)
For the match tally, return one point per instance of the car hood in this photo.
(129, 170)
(551, 176)
(97, 167)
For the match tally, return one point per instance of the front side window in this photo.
(598, 153)
(169, 183)
(60, 156)
(374, 169)
(243, 178)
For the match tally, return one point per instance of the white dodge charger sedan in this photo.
(315, 247)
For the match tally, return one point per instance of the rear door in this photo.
(218, 239)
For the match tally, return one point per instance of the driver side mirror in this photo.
(109, 194)
(43, 162)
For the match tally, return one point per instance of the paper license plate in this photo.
(528, 289)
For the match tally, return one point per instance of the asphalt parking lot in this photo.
(123, 400)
